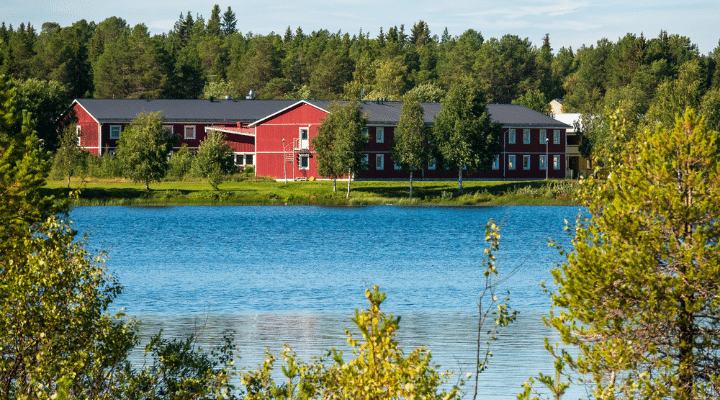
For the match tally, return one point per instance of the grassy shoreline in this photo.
(106, 192)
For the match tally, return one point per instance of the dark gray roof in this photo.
(225, 111)
(384, 113)
(514, 115)
(229, 111)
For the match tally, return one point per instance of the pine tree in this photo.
(640, 295)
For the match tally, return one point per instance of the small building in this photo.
(577, 165)
(275, 135)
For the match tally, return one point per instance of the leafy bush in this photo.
(180, 163)
(380, 369)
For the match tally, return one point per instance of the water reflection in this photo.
(294, 275)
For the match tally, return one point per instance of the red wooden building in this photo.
(275, 135)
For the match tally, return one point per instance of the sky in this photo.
(569, 22)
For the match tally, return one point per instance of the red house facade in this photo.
(276, 135)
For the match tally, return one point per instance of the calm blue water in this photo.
(295, 275)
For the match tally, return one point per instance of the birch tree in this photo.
(463, 135)
(410, 140)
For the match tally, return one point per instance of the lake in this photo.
(295, 275)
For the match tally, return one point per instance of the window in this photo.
(511, 161)
(115, 131)
(189, 131)
(512, 136)
(543, 136)
(496, 162)
(588, 163)
(366, 160)
(431, 164)
(248, 159)
(526, 162)
(398, 167)
(239, 159)
(526, 136)
(168, 128)
(379, 161)
(379, 134)
(543, 163)
(304, 138)
(78, 133)
(365, 132)
(556, 136)
(304, 161)
(556, 162)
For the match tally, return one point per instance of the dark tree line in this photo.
(201, 58)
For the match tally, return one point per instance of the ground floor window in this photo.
(496, 163)
(511, 161)
(379, 161)
(556, 162)
(398, 167)
(526, 162)
(543, 163)
(431, 164)
(244, 159)
(304, 161)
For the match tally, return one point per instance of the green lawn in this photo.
(124, 192)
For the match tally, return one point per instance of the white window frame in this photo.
(556, 136)
(169, 128)
(252, 156)
(431, 164)
(379, 162)
(306, 157)
(241, 157)
(526, 162)
(512, 164)
(185, 132)
(526, 136)
(556, 161)
(119, 131)
(543, 136)
(512, 136)
(496, 163)
(304, 144)
(379, 134)
(78, 133)
(543, 162)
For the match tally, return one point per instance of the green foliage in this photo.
(639, 295)
(488, 304)
(534, 100)
(340, 142)
(379, 370)
(143, 149)
(54, 327)
(179, 370)
(69, 158)
(214, 159)
(55, 334)
(46, 100)
(180, 163)
(463, 135)
(426, 93)
(410, 149)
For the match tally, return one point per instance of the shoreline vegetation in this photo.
(123, 192)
